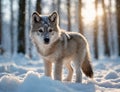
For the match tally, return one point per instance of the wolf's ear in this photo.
(54, 17)
(35, 17)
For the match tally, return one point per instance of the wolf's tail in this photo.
(86, 65)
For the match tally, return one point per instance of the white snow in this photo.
(21, 74)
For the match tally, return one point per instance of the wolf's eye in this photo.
(40, 30)
(50, 30)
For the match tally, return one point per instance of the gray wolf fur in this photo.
(60, 47)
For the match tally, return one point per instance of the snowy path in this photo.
(20, 74)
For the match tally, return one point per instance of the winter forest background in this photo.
(98, 20)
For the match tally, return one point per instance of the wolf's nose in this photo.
(46, 40)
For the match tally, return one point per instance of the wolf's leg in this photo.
(58, 70)
(78, 60)
(48, 68)
(70, 72)
(78, 73)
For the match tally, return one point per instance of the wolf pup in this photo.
(60, 47)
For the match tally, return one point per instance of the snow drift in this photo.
(20, 74)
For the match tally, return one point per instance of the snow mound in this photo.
(20, 74)
(9, 83)
(32, 82)
(109, 84)
(112, 75)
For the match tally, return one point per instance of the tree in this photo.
(21, 26)
(111, 30)
(80, 16)
(29, 17)
(58, 9)
(38, 6)
(11, 25)
(118, 23)
(68, 15)
(56, 6)
(105, 30)
(96, 32)
(0, 22)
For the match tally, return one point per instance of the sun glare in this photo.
(100, 10)
(88, 13)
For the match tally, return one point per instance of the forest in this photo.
(97, 20)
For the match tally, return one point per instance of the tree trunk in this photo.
(30, 43)
(96, 32)
(69, 16)
(58, 9)
(0, 22)
(111, 31)
(118, 23)
(80, 16)
(105, 31)
(38, 6)
(54, 5)
(11, 26)
(21, 26)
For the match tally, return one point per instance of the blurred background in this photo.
(97, 20)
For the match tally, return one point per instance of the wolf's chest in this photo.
(46, 51)
(52, 57)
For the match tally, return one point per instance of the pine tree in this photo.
(21, 26)
(11, 26)
(96, 32)
(29, 17)
(105, 31)
(118, 23)
(80, 16)
(0, 22)
(38, 6)
(58, 9)
(111, 31)
(68, 15)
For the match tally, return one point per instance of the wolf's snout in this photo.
(46, 40)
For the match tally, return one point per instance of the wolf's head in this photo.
(44, 28)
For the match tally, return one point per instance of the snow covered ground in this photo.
(21, 74)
